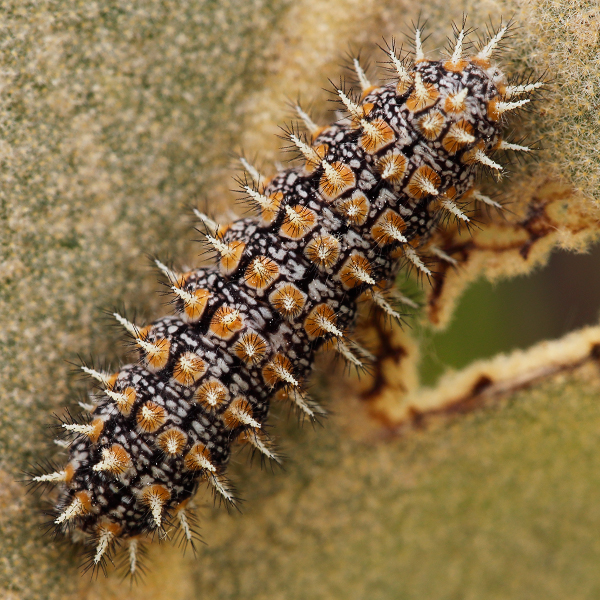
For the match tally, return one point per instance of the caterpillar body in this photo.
(363, 201)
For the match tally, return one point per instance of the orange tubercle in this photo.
(151, 416)
(211, 394)
(189, 368)
(226, 322)
(288, 300)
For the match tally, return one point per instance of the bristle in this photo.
(103, 378)
(424, 182)
(90, 430)
(419, 55)
(404, 299)
(343, 348)
(268, 205)
(381, 302)
(260, 442)
(79, 506)
(155, 497)
(123, 399)
(431, 125)
(355, 209)
(416, 260)
(279, 370)
(184, 525)
(458, 49)
(451, 207)
(312, 127)
(496, 108)
(458, 136)
(309, 408)
(189, 368)
(221, 488)
(206, 220)
(356, 271)
(392, 166)
(310, 154)
(222, 248)
(516, 90)
(132, 553)
(172, 441)
(115, 460)
(486, 52)
(251, 348)
(321, 321)
(424, 95)
(288, 300)
(211, 394)
(298, 221)
(323, 251)
(105, 536)
(368, 356)
(261, 272)
(56, 477)
(365, 84)
(252, 171)
(194, 303)
(128, 325)
(226, 322)
(514, 147)
(405, 79)
(87, 406)
(481, 157)
(442, 255)
(355, 110)
(477, 195)
(389, 228)
(455, 103)
(198, 459)
(337, 179)
(239, 413)
(376, 135)
(169, 273)
(156, 353)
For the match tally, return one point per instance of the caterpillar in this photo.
(359, 202)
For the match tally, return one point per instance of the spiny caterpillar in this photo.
(334, 229)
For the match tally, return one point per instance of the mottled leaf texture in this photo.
(118, 115)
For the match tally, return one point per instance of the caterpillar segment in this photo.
(332, 229)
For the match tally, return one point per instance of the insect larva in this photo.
(335, 228)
